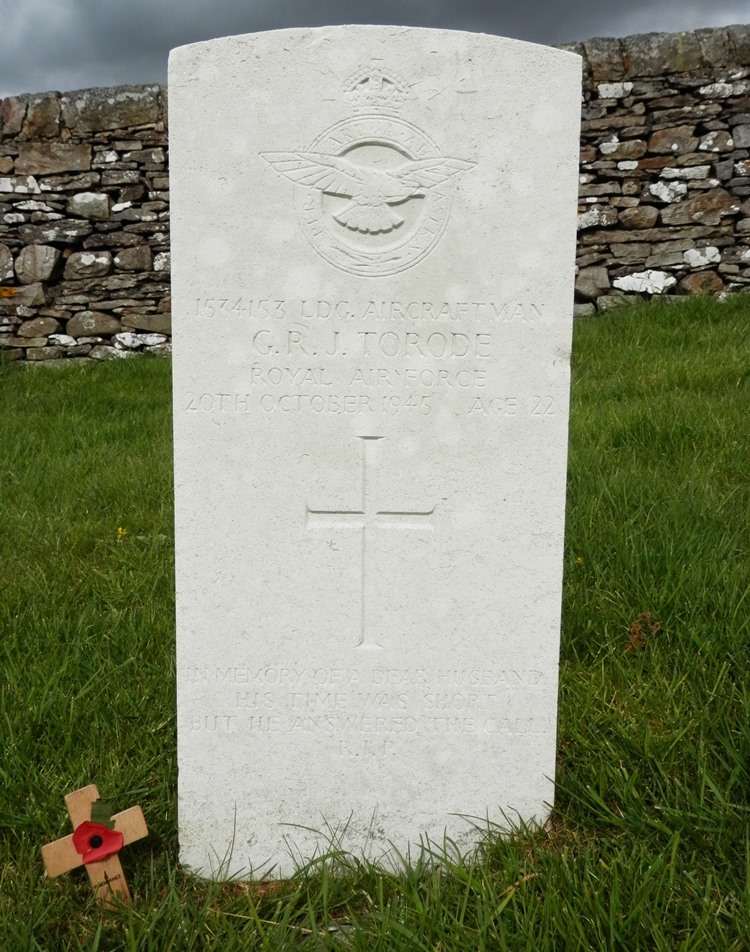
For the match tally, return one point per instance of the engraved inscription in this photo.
(365, 520)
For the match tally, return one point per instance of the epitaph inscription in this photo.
(373, 283)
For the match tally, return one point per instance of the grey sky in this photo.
(73, 44)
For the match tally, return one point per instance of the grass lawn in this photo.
(648, 847)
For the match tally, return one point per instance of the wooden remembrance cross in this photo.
(106, 876)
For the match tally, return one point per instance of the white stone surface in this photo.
(698, 257)
(645, 282)
(373, 289)
(614, 90)
(687, 174)
(668, 191)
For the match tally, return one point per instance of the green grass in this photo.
(649, 844)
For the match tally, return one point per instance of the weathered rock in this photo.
(6, 263)
(702, 282)
(668, 191)
(591, 283)
(629, 149)
(88, 264)
(93, 205)
(599, 215)
(677, 140)
(715, 48)
(67, 231)
(643, 216)
(46, 158)
(163, 261)
(45, 353)
(653, 54)
(645, 282)
(688, 174)
(102, 352)
(704, 209)
(741, 136)
(698, 257)
(69, 183)
(716, 141)
(92, 323)
(128, 340)
(739, 38)
(117, 107)
(36, 263)
(42, 118)
(12, 112)
(631, 252)
(604, 56)
(137, 258)
(614, 90)
(38, 327)
(19, 185)
(30, 295)
(156, 323)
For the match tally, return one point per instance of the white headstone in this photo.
(373, 249)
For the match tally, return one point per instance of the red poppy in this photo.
(95, 841)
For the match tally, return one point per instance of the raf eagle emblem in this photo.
(372, 191)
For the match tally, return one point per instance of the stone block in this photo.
(36, 263)
(30, 295)
(137, 258)
(47, 158)
(642, 216)
(155, 323)
(702, 282)
(716, 49)
(604, 56)
(739, 37)
(92, 323)
(42, 117)
(38, 327)
(19, 185)
(645, 282)
(707, 209)
(654, 54)
(88, 264)
(6, 264)
(12, 113)
(104, 352)
(45, 353)
(676, 140)
(92, 205)
(741, 136)
(114, 107)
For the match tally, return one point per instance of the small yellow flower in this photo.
(122, 534)
(580, 560)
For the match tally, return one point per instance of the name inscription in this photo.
(386, 358)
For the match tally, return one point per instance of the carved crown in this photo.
(374, 88)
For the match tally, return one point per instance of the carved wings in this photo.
(338, 176)
(371, 190)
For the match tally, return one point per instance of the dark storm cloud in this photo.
(70, 44)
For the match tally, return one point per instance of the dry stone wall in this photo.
(665, 165)
(84, 224)
(84, 195)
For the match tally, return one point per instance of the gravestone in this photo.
(373, 237)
